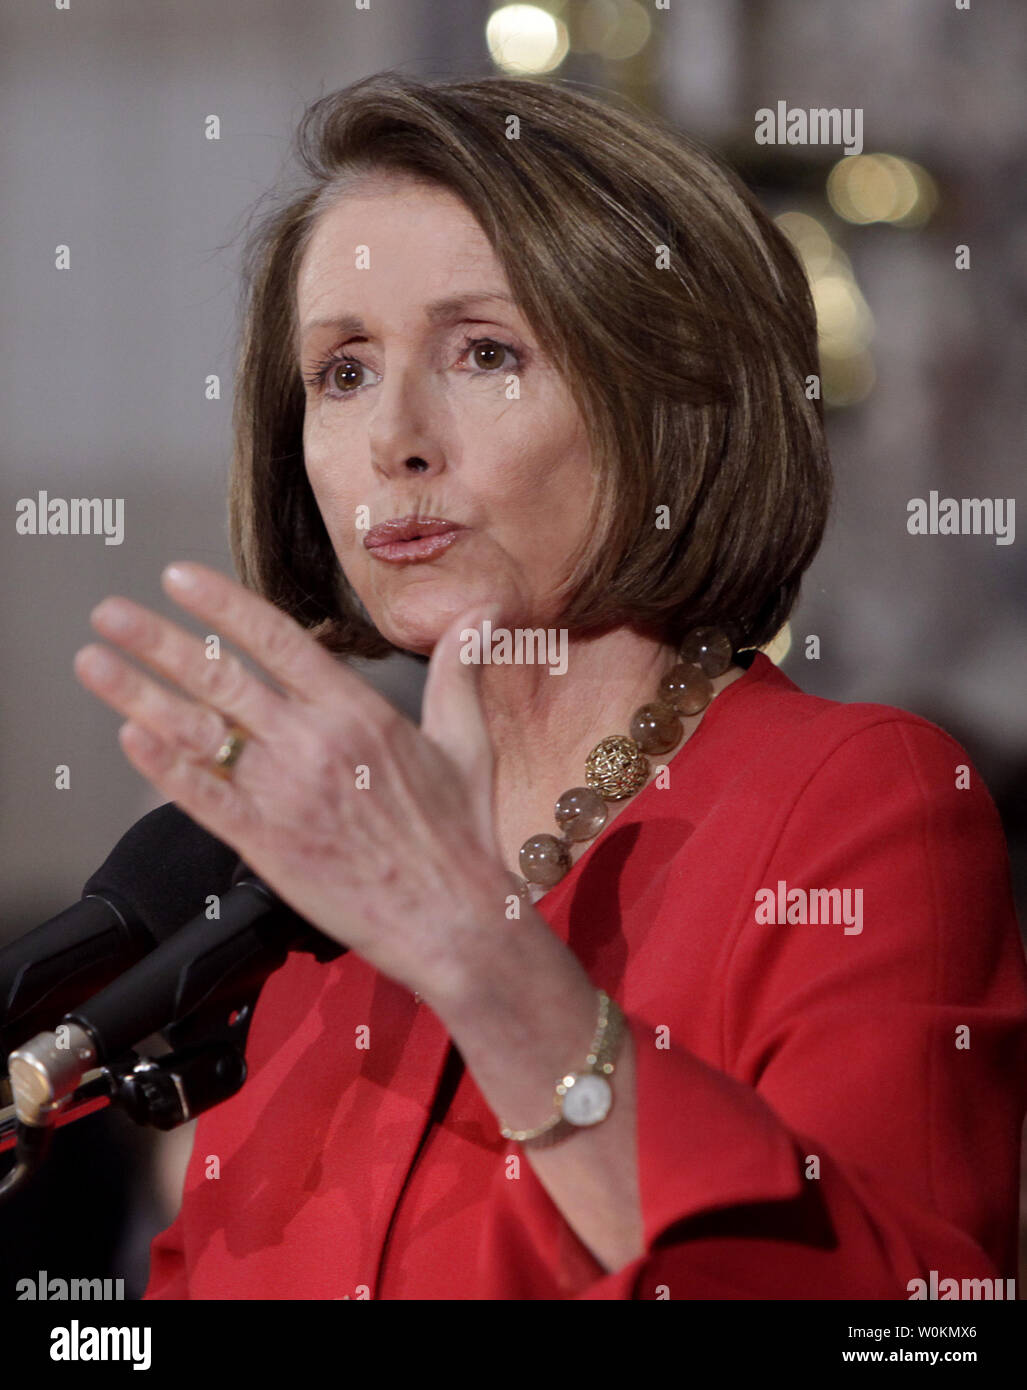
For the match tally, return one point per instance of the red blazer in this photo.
(823, 1112)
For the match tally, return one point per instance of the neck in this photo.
(543, 726)
(540, 723)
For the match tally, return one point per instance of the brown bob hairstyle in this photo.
(670, 302)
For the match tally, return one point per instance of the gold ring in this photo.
(228, 754)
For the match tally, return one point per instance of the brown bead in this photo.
(687, 688)
(519, 887)
(708, 647)
(544, 859)
(616, 767)
(580, 813)
(655, 727)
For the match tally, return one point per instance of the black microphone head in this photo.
(158, 876)
(310, 940)
(162, 870)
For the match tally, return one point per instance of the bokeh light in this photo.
(845, 324)
(881, 188)
(526, 39)
(811, 239)
(615, 29)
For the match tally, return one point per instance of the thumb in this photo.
(452, 715)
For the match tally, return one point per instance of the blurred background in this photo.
(105, 367)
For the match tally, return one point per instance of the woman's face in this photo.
(460, 386)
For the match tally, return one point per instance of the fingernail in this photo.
(114, 617)
(98, 663)
(180, 578)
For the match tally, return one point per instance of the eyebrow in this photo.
(441, 311)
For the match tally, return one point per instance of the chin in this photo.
(414, 616)
(417, 632)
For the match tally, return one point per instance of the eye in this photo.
(339, 371)
(340, 375)
(487, 354)
(345, 375)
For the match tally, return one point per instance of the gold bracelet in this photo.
(582, 1098)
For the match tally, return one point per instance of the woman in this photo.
(780, 985)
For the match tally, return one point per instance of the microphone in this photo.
(203, 963)
(157, 876)
(207, 967)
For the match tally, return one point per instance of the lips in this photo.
(407, 528)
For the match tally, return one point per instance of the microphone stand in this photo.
(207, 1064)
(198, 990)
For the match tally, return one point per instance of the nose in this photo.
(402, 437)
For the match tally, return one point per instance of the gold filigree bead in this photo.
(687, 688)
(580, 813)
(616, 767)
(655, 727)
(708, 647)
(544, 859)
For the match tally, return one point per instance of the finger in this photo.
(284, 649)
(194, 729)
(222, 682)
(212, 801)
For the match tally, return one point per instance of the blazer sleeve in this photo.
(864, 1129)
